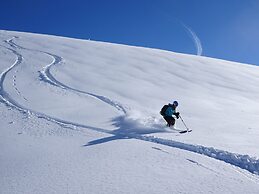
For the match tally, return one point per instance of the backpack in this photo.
(162, 112)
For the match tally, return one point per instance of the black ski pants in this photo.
(170, 120)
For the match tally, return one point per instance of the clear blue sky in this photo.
(227, 29)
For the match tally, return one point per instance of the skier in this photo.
(168, 111)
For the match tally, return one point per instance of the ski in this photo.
(180, 130)
(185, 131)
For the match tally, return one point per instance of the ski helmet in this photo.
(175, 103)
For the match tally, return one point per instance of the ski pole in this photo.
(184, 123)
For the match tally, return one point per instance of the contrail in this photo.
(195, 39)
(192, 34)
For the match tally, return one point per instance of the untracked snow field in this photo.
(80, 116)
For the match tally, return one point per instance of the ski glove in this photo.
(177, 115)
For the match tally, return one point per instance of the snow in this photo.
(80, 116)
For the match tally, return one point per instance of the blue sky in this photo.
(226, 29)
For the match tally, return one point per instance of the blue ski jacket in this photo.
(170, 111)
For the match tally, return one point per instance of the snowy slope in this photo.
(83, 117)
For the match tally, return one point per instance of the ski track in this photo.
(46, 76)
(5, 98)
(242, 161)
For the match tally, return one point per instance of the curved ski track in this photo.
(242, 161)
(46, 76)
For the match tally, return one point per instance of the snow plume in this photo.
(195, 38)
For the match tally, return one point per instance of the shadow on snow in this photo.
(128, 130)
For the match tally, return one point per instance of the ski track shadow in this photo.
(161, 150)
(201, 165)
